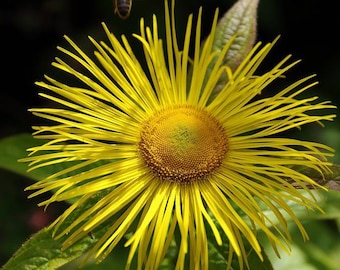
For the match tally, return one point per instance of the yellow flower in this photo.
(171, 156)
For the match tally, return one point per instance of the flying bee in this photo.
(90, 234)
(123, 8)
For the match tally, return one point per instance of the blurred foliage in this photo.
(322, 249)
(31, 30)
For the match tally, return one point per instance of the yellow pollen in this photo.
(183, 144)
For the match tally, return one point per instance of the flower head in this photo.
(172, 156)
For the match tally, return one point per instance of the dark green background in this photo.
(31, 30)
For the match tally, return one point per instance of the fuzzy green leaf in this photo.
(240, 20)
(43, 252)
(14, 148)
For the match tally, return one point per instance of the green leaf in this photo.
(239, 20)
(43, 252)
(14, 148)
(330, 205)
(327, 200)
(320, 252)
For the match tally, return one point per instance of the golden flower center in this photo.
(184, 143)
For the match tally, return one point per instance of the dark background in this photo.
(31, 29)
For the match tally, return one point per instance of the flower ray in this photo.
(140, 88)
(118, 98)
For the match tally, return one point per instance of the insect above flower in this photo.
(168, 154)
(123, 8)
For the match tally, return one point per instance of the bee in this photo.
(123, 8)
(90, 235)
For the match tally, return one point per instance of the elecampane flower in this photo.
(171, 155)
